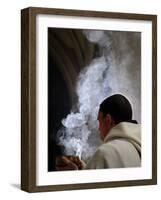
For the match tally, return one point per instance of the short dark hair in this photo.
(118, 107)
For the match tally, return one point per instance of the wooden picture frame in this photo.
(29, 92)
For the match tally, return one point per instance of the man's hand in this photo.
(69, 163)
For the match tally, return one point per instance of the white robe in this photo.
(121, 148)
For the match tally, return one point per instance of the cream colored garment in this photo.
(121, 148)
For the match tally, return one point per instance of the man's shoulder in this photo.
(107, 147)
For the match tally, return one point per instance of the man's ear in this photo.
(108, 120)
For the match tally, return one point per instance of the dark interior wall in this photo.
(68, 52)
(58, 108)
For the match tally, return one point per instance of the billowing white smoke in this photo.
(106, 75)
(79, 126)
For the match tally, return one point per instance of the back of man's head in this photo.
(118, 107)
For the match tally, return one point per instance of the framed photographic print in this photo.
(88, 99)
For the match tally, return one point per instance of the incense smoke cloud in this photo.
(114, 72)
